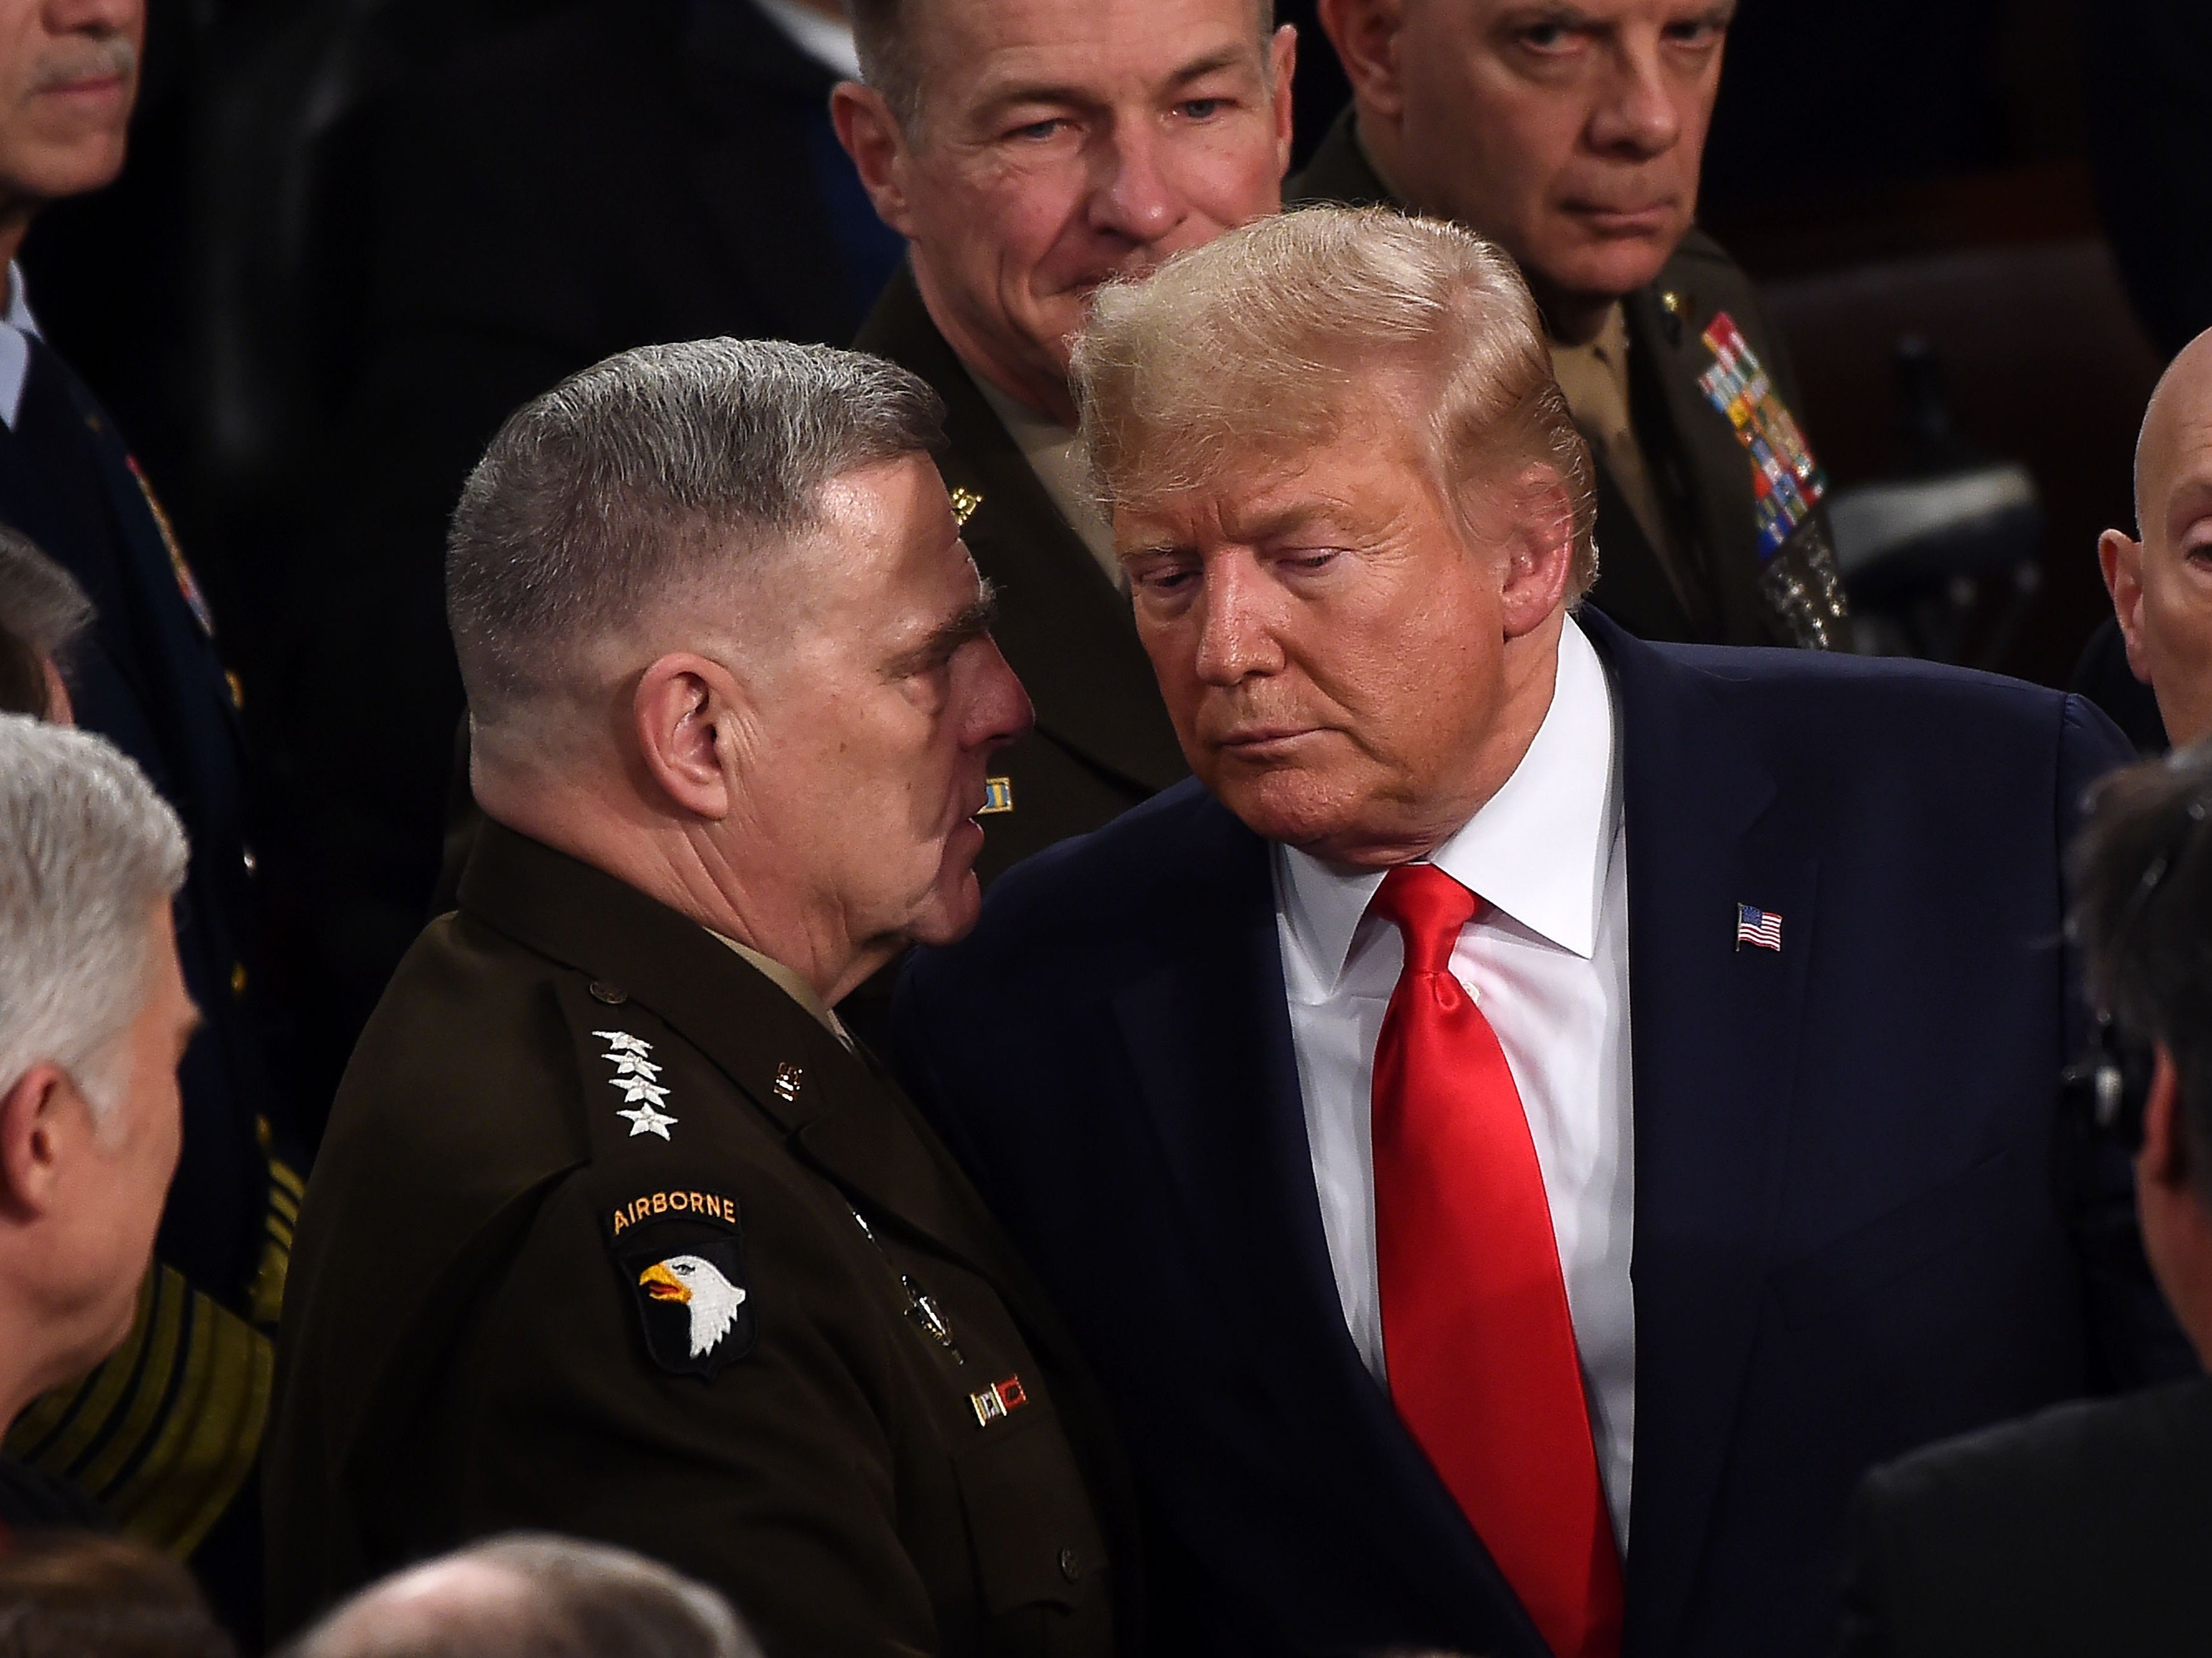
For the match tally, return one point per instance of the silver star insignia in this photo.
(623, 1042)
(646, 1119)
(637, 1088)
(628, 1065)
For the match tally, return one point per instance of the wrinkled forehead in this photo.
(971, 49)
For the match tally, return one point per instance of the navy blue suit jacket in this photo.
(146, 677)
(1851, 1231)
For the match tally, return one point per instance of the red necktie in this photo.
(1476, 1333)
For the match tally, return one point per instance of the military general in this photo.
(1571, 137)
(615, 1232)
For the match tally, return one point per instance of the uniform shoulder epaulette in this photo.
(677, 1241)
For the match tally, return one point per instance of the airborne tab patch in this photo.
(682, 1260)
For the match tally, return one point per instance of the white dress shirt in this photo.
(17, 330)
(824, 39)
(1547, 961)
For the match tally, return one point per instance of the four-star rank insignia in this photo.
(638, 1078)
(682, 1260)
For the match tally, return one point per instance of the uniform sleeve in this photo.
(773, 1477)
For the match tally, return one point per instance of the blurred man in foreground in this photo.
(2160, 577)
(533, 1597)
(1027, 150)
(1334, 1094)
(614, 1232)
(93, 1019)
(2086, 1529)
(1571, 136)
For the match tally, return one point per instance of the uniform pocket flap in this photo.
(1030, 1521)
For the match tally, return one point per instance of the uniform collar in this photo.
(1538, 852)
(18, 328)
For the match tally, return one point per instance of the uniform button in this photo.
(251, 862)
(1071, 1566)
(238, 978)
(603, 991)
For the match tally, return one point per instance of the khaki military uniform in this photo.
(1691, 544)
(610, 1236)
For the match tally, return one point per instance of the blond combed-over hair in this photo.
(1259, 343)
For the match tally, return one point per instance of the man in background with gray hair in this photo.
(93, 1019)
(1356, 1073)
(615, 1232)
(522, 1596)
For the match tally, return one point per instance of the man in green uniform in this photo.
(1029, 151)
(1571, 136)
(614, 1231)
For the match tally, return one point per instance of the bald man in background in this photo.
(2160, 579)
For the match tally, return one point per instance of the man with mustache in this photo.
(1027, 149)
(1333, 1093)
(166, 1432)
(1569, 132)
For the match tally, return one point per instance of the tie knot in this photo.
(1428, 908)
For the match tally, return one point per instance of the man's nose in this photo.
(1638, 112)
(92, 16)
(1235, 640)
(1133, 196)
(1001, 711)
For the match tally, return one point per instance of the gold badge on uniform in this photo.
(998, 796)
(964, 503)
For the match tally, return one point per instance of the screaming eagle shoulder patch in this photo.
(682, 1260)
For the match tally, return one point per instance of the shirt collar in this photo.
(826, 40)
(1537, 850)
(792, 986)
(17, 330)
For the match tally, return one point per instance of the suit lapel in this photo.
(1065, 628)
(1714, 1033)
(1208, 1035)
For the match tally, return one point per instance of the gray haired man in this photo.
(531, 1597)
(615, 1232)
(93, 1018)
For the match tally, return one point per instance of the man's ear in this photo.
(1541, 553)
(31, 1134)
(683, 716)
(1366, 34)
(2120, 557)
(2164, 1159)
(1283, 62)
(872, 136)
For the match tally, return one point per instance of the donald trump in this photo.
(1541, 1113)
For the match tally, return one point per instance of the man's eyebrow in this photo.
(972, 622)
(1016, 93)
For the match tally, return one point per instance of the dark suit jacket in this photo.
(2086, 1529)
(467, 1346)
(624, 172)
(1103, 741)
(1703, 473)
(1845, 1238)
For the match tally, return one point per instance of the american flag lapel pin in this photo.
(1755, 925)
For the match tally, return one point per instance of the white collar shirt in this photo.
(1547, 961)
(17, 330)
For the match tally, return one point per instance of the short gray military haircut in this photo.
(532, 1596)
(40, 603)
(87, 849)
(644, 474)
